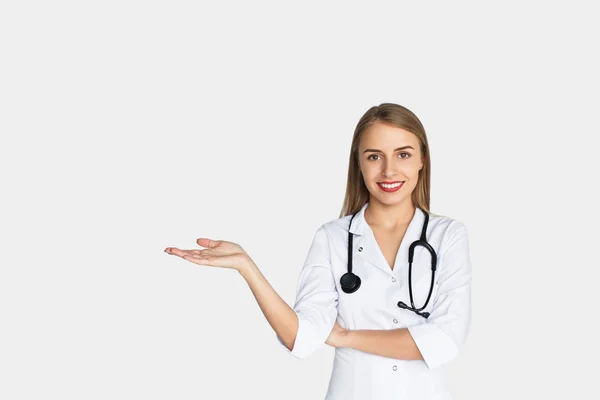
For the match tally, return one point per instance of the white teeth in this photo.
(395, 185)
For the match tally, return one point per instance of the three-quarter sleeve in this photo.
(316, 298)
(440, 337)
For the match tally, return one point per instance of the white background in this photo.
(131, 126)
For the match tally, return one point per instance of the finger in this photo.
(177, 252)
(210, 252)
(200, 252)
(181, 253)
(206, 242)
(169, 250)
(205, 253)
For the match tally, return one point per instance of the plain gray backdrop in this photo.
(131, 126)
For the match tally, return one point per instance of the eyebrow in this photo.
(399, 148)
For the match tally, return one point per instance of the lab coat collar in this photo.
(372, 253)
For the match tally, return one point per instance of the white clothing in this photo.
(320, 301)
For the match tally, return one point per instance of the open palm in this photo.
(218, 253)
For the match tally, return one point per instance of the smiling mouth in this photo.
(394, 183)
(390, 186)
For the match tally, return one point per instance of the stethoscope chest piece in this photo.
(350, 282)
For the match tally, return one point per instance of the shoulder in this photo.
(444, 231)
(453, 231)
(332, 231)
(337, 226)
(449, 225)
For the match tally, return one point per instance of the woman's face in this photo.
(389, 154)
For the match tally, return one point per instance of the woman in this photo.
(394, 323)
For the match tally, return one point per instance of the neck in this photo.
(389, 217)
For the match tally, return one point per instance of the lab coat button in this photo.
(395, 321)
(393, 279)
(360, 249)
(394, 368)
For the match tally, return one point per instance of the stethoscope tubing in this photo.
(350, 282)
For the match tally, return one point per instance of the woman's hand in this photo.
(219, 253)
(337, 336)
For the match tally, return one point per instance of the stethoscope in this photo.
(351, 282)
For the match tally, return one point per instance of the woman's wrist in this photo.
(247, 266)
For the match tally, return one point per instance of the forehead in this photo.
(383, 136)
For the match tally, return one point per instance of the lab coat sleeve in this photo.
(440, 337)
(316, 298)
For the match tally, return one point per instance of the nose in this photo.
(388, 169)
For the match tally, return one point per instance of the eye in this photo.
(377, 155)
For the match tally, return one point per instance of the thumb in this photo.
(206, 242)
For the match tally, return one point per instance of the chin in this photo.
(389, 200)
(393, 202)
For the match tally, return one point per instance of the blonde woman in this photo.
(388, 283)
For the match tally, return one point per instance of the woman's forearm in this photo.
(279, 314)
(394, 343)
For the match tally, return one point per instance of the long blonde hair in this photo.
(357, 194)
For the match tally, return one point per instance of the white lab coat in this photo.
(320, 301)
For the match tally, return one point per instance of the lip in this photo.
(389, 183)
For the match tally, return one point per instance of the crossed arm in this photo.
(394, 343)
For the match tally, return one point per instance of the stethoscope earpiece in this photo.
(350, 282)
